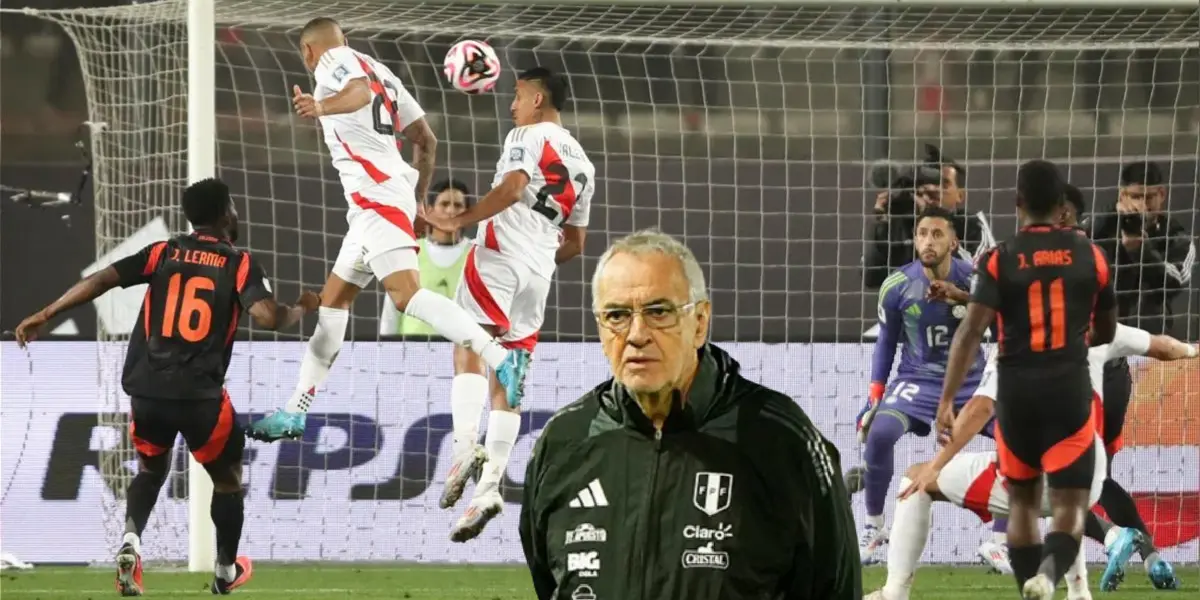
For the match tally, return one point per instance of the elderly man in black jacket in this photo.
(679, 479)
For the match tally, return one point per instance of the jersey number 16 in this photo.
(191, 318)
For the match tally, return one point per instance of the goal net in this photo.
(750, 131)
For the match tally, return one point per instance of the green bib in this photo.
(443, 280)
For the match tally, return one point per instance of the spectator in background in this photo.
(891, 240)
(440, 259)
(1151, 253)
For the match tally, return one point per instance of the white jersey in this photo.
(363, 143)
(561, 183)
(1127, 341)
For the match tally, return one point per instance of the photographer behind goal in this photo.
(908, 190)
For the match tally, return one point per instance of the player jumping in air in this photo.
(175, 367)
(1051, 291)
(972, 480)
(534, 218)
(920, 307)
(1120, 542)
(361, 105)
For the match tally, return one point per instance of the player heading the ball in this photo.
(534, 218)
(361, 104)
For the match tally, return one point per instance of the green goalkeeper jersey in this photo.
(736, 497)
(443, 280)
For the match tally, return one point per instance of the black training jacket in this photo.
(738, 497)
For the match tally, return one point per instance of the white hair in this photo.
(648, 241)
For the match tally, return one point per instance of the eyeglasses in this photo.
(656, 316)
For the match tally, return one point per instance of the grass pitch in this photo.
(322, 581)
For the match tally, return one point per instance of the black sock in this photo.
(140, 499)
(1123, 512)
(1025, 561)
(1059, 553)
(228, 515)
(1096, 528)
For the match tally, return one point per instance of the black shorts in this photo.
(209, 427)
(1118, 388)
(1045, 423)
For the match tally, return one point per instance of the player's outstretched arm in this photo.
(354, 96)
(1167, 348)
(572, 243)
(87, 289)
(963, 350)
(971, 420)
(424, 143)
(499, 198)
(273, 316)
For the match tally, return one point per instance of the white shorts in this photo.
(972, 480)
(496, 290)
(380, 240)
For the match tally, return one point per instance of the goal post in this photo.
(746, 127)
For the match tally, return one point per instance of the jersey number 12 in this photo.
(1038, 316)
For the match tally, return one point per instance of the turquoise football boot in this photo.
(1162, 575)
(511, 374)
(1119, 553)
(279, 425)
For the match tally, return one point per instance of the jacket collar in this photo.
(709, 391)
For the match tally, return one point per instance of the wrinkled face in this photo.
(1144, 198)
(449, 204)
(527, 103)
(649, 332)
(935, 241)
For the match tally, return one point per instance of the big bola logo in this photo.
(1162, 412)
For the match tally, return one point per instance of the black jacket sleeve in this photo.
(532, 529)
(835, 563)
(825, 562)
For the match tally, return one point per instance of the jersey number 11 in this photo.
(1038, 317)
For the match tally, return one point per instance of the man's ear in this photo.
(703, 318)
(539, 99)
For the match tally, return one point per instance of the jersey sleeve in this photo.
(890, 324)
(138, 268)
(582, 212)
(1106, 297)
(338, 67)
(522, 152)
(1128, 341)
(985, 284)
(252, 283)
(408, 110)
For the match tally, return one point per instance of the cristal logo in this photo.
(699, 532)
(705, 557)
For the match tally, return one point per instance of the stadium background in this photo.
(698, 142)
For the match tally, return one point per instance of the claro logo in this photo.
(71, 456)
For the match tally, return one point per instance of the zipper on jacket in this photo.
(651, 517)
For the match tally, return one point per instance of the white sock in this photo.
(1077, 584)
(501, 436)
(910, 531)
(225, 572)
(454, 324)
(323, 348)
(468, 395)
(132, 539)
(875, 521)
(1110, 536)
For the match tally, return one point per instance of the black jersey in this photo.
(183, 339)
(1044, 284)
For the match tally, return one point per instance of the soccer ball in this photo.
(472, 67)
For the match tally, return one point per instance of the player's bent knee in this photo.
(156, 466)
(338, 292)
